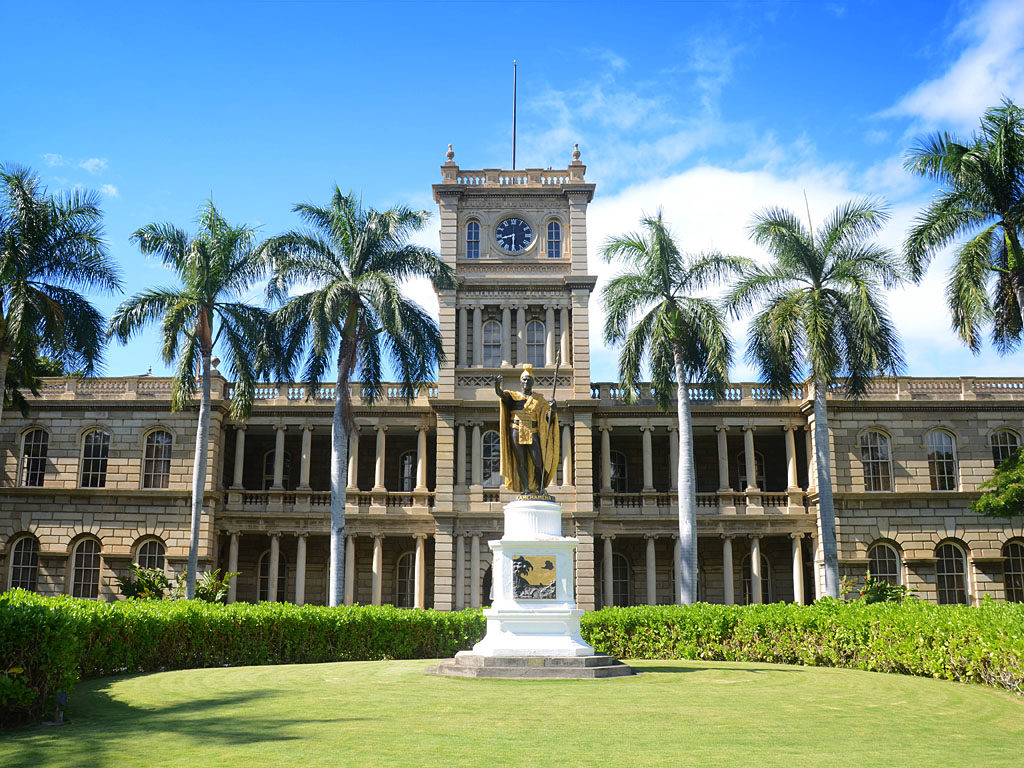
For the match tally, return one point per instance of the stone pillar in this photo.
(791, 458)
(648, 452)
(506, 335)
(566, 456)
(474, 571)
(677, 551)
(812, 469)
(460, 456)
(748, 455)
(300, 569)
(673, 457)
(755, 570)
(233, 566)
(549, 336)
(565, 336)
(421, 458)
(723, 459)
(460, 572)
(606, 459)
(478, 339)
(420, 572)
(798, 568)
(378, 478)
(727, 571)
(350, 569)
(477, 470)
(606, 571)
(279, 457)
(236, 481)
(378, 569)
(520, 335)
(652, 572)
(353, 460)
(463, 336)
(273, 566)
(307, 441)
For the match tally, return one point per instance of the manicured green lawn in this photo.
(389, 713)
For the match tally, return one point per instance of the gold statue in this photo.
(529, 437)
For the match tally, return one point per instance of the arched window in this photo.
(156, 465)
(85, 574)
(95, 452)
(473, 240)
(951, 574)
(407, 469)
(1004, 445)
(405, 581)
(758, 469)
(34, 446)
(766, 581)
(621, 582)
(268, 470)
(263, 571)
(535, 343)
(492, 344)
(941, 460)
(1013, 571)
(620, 480)
(554, 240)
(876, 460)
(25, 564)
(490, 455)
(885, 563)
(151, 554)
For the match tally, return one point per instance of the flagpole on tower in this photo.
(513, 114)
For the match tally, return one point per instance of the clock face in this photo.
(513, 235)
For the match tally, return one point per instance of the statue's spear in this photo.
(554, 382)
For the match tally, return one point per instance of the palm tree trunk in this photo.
(687, 492)
(339, 474)
(826, 504)
(5, 360)
(199, 477)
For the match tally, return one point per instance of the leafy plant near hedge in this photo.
(48, 643)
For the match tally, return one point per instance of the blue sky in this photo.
(712, 110)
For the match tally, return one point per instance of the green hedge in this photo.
(47, 644)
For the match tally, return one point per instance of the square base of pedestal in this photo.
(550, 630)
(594, 667)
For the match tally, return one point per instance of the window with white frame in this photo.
(405, 581)
(85, 573)
(156, 464)
(621, 582)
(263, 577)
(620, 479)
(407, 470)
(554, 240)
(1004, 445)
(34, 446)
(766, 581)
(95, 452)
(268, 470)
(492, 344)
(151, 554)
(951, 574)
(1013, 570)
(490, 456)
(535, 343)
(473, 240)
(25, 564)
(941, 460)
(741, 463)
(885, 563)
(876, 461)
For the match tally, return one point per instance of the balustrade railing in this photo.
(256, 500)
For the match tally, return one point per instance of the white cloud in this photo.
(109, 190)
(94, 165)
(52, 159)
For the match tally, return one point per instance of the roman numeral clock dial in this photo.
(513, 235)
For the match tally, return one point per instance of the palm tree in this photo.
(982, 196)
(215, 267)
(50, 247)
(652, 312)
(349, 262)
(821, 316)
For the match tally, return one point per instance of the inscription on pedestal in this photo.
(533, 577)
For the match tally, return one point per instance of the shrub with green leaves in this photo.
(144, 583)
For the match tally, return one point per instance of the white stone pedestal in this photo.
(518, 625)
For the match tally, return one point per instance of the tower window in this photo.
(473, 240)
(554, 240)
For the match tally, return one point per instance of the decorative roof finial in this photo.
(576, 153)
(450, 154)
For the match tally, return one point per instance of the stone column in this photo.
(723, 458)
(272, 567)
(420, 572)
(378, 479)
(648, 452)
(474, 571)
(300, 569)
(477, 470)
(606, 459)
(566, 456)
(506, 335)
(239, 456)
(460, 456)
(350, 569)
(606, 570)
(279, 457)
(421, 458)
(353, 460)
(307, 441)
(478, 339)
(378, 569)
(748, 455)
(233, 566)
(798, 569)
(520, 335)
(677, 549)
(727, 571)
(652, 572)
(812, 469)
(791, 458)
(673, 457)
(460, 572)
(463, 336)
(565, 336)
(549, 335)
(755, 570)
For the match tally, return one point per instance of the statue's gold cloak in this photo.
(546, 433)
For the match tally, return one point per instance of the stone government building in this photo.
(99, 474)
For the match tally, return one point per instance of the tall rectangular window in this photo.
(473, 240)
(941, 460)
(874, 457)
(33, 458)
(156, 466)
(554, 240)
(95, 452)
